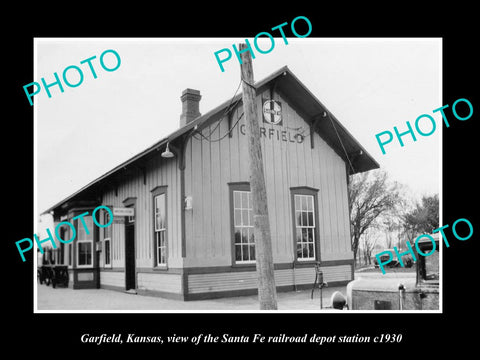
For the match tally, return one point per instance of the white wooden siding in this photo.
(159, 172)
(112, 278)
(229, 281)
(210, 166)
(171, 283)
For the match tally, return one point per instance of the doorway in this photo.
(130, 276)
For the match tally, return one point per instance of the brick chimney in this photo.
(190, 106)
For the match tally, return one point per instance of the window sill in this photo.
(301, 263)
(160, 268)
(243, 265)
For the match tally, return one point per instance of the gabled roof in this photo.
(299, 97)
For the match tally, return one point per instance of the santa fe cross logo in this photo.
(272, 112)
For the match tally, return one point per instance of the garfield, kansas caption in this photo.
(114, 338)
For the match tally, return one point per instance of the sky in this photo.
(370, 85)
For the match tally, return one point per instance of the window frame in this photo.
(109, 230)
(90, 243)
(157, 192)
(70, 255)
(239, 187)
(305, 191)
(82, 241)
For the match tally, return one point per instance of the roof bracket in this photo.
(313, 126)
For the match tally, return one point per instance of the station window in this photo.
(69, 254)
(160, 229)
(85, 242)
(242, 214)
(107, 238)
(61, 251)
(303, 201)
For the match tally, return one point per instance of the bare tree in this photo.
(391, 225)
(370, 195)
(368, 244)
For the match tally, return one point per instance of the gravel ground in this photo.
(62, 299)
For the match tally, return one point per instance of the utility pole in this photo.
(267, 293)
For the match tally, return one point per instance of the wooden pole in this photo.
(267, 294)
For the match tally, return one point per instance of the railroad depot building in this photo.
(182, 225)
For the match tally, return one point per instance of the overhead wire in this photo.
(226, 111)
(341, 142)
(224, 135)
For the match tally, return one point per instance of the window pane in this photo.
(161, 247)
(252, 252)
(304, 218)
(81, 233)
(304, 203)
(310, 250)
(238, 235)
(244, 236)
(244, 200)
(164, 241)
(84, 253)
(238, 253)
(298, 216)
(305, 250)
(107, 230)
(297, 202)
(160, 221)
(245, 217)
(245, 252)
(304, 235)
(163, 221)
(250, 217)
(251, 237)
(237, 217)
(107, 252)
(161, 209)
(311, 222)
(309, 203)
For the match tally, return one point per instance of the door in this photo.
(130, 256)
